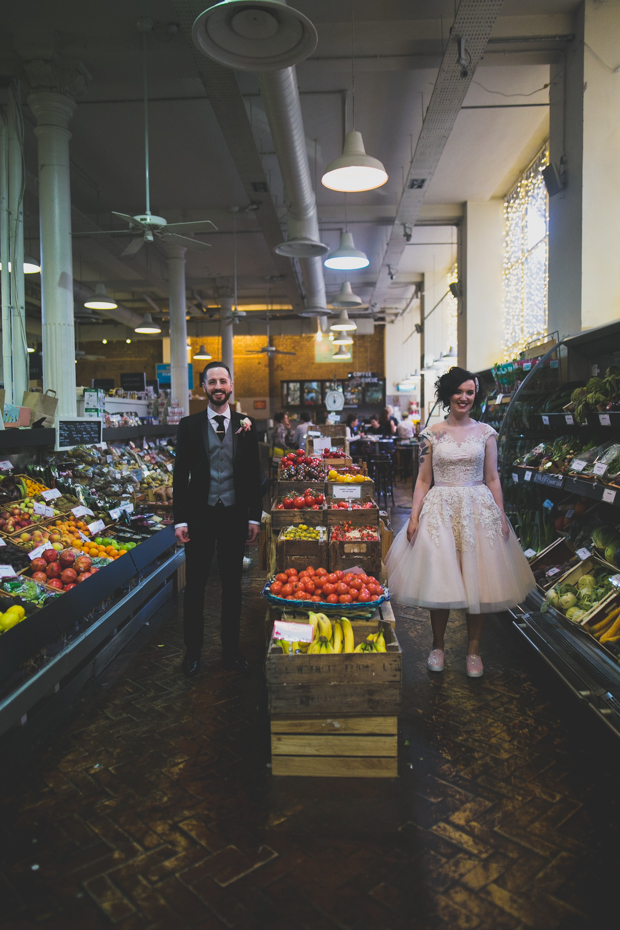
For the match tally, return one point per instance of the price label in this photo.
(293, 632)
(96, 527)
(7, 571)
(115, 514)
(117, 475)
(109, 458)
(583, 553)
(347, 491)
(552, 572)
(570, 420)
(81, 511)
(42, 510)
(51, 495)
(528, 476)
(527, 366)
(6, 466)
(578, 465)
(615, 580)
(569, 514)
(529, 553)
(515, 477)
(321, 444)
(2, 542)
(38, 552)
(169, 466)
(499, 398)
(609, 496)
(548, 504)
(83, 536)
(128, 507)
(545, 420)
(604, 419)
(600, 468)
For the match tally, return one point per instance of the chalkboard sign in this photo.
(133, 380)
(77, 432)
(104, 384)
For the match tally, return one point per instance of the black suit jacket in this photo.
(192, 473)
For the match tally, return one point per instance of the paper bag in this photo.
(41, 405)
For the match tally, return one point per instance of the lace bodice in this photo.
(457, 461)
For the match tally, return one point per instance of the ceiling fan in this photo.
(146, 225)
(268, 350)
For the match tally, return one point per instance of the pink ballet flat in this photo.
(475, 668)
(434, 662)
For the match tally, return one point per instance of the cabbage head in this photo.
(586, 581)
(568, 600)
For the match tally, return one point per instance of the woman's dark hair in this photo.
(448, 383)
(351, 419)
(279, 416)
(385, 415)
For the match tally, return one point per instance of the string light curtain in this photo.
(452, 311)
(526, 256)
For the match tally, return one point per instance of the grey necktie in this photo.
(221, 432)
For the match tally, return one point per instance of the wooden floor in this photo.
(153, 804)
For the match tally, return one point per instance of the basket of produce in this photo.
(63, 570)
(27, 589)
(16, 487)
(297, 466)
(604, 626)
(332, 591)
(21, 516)
(583, 590)
(363, 510)
(599, 394)
(293, 508)
(299, 545)
(352, 545)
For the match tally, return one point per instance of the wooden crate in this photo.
(299, 553)
(558, 552)
(298, 487)
(346, 684)
(573, 576)
(369, 515)
(347, 747)
(360, 489)
(282, 518)
(332, 429)
(345, 554)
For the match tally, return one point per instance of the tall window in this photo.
(526, 246)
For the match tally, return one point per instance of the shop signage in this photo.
(77, 432)
(163, 375)
(347, 491)
(320, 444)
(364, 375)
(260, 404)
(293, 632)
(133, 381)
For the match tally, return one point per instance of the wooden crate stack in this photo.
(299, 553)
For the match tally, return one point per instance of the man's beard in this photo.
(218, 401)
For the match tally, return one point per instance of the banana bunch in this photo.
(375, 642)
(337, 636)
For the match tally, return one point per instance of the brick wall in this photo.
(368, 355)
(139, 355)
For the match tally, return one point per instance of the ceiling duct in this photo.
(242, 34)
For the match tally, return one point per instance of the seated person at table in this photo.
(282, 436)
(301, 430)
(388, 423)
(375, 428)
(353, 426)
(406, 428)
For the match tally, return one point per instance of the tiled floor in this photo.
(153, 806)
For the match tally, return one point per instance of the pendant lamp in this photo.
(341, 354)
(31, 265)
(346, 297)
(203, 354)
(452, 353)
(346, 257)
(343, 339)
(354, 170)
(148, 325)
(100, 300)
(343, 323)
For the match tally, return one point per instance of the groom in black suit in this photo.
(217, 502)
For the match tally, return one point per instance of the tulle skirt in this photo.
(484, 575)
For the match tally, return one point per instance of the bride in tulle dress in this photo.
(458, 549)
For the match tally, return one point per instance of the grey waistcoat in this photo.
(222, 487)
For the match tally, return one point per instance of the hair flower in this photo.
(246, 424)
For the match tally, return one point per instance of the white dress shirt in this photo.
(211, 414)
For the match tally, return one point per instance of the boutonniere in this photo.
(246, 424)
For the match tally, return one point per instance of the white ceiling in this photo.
(398, 45)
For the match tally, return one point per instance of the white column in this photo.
(178, 325)
(483, 283)
(16, 247)
(53, 111)
(226, 335)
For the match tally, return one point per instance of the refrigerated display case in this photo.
(560, 472)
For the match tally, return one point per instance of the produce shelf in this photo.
(18, 438)
(137, 432)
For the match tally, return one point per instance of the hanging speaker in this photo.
(254, 35)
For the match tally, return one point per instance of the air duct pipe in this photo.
(269, 38)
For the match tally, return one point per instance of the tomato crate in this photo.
(350, 490)
(298, 487)
(347, 553)
(363, 515)
(299, 553)
(282, 518)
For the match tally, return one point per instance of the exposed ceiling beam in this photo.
(468, 39)
(228, 105)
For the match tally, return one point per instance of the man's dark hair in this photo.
(279, 416)
(304, 416)
(211, 365)
(375, 417)
(448, 383)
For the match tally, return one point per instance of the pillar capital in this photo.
(174, 250)
(54, 85)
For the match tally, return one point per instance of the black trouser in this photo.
(228, 528)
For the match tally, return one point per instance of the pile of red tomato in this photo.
(320, 586)
(306, 501)
(351, 505)
(334, 454)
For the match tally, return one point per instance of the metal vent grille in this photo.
(474, 21)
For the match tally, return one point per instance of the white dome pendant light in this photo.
(343, 339)
(341, 354)
(346, 257)
(354, 170)
(346, 297)
(343, 324)
(148, 325)
(100, 299)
